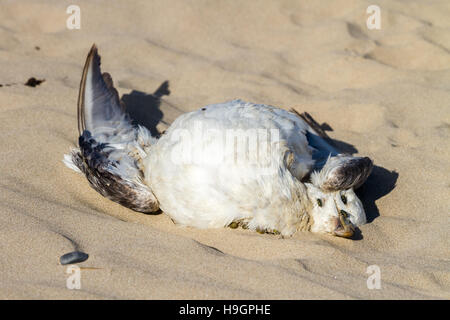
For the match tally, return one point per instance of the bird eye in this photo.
(319, 202)
(344, 213)
(344, 199)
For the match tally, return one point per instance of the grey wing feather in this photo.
(111, 149)
(98, 100)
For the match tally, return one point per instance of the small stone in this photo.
(73, 257)
(234, 225)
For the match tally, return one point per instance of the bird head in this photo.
(334, 206)
(337, 213)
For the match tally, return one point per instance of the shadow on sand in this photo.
(144, 109)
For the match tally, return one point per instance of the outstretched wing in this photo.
(111, 149)
(98, 100)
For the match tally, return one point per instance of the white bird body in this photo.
(206, 179)
(230, 163)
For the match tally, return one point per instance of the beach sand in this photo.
(385, 93)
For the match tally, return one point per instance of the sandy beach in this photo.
(384, 93)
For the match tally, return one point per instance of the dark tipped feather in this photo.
(312, 123)
(80, 103)
(93, 161)
(101, 114)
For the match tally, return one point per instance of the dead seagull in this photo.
(227, 164)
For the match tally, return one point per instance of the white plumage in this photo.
(232, 163)
(212, 191)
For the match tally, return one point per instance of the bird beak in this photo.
(343, 228)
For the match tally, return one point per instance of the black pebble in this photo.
(73, 257)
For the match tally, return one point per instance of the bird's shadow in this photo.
(380, 182)
(144, 108)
